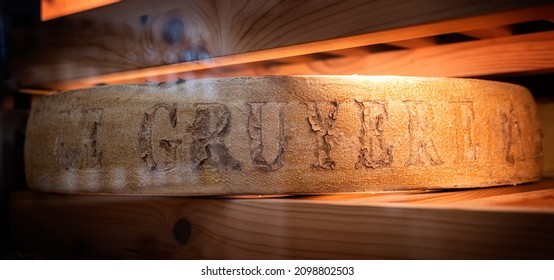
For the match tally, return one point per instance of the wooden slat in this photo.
(300, 59)
(494, 32)
(359, 51)
(496, 223)
(415, 43)
(51, 9)
(524, 53)
(533, 197)
(514, 54)
(122, 43)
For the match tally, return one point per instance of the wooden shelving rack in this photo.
(137, 41)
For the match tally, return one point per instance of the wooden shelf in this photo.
(134, 41)
(512, 222)
(496, 56)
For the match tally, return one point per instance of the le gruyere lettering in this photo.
(284, 135)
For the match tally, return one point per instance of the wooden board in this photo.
(515, 54)
(140, 34)
(494, 223)
(51, 9)
(530, 53)
(494, 32)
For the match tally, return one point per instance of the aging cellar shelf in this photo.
(131, 42)
(510, 222)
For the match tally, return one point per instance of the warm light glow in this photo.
(51, 9)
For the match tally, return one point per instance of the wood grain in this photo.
(514, 54)
(184, 36)
(534, 197)
(51, 9)
(415, 43)
(524, 53)
(495, 223)
(494, 32)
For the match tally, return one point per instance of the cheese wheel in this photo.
(284, 135)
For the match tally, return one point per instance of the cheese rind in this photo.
(284, 135)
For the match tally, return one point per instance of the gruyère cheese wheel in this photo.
(283, 135)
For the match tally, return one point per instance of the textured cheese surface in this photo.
(284, 135)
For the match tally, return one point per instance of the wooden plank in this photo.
(358, 51)
(533, 197)
(496, 223)
(415, 43)
(514, 54)
(51, 9)
(125, 41)
(523, 53)
(487, 33)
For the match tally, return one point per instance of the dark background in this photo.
(13, 113)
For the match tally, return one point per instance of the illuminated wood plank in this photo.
(494, 32)
(514, 54)
(524, 53)
(415, 43)
(51, 9)
(111, 45)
